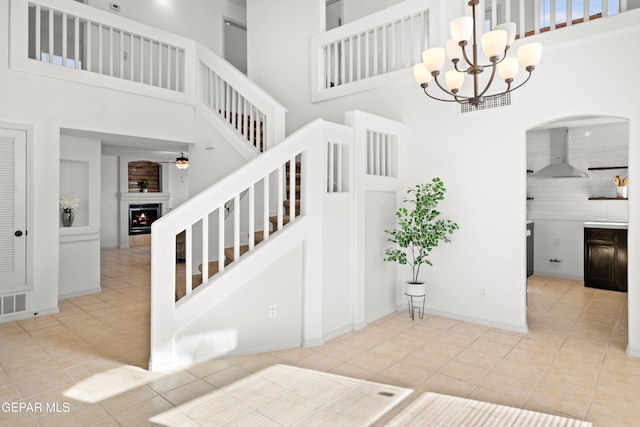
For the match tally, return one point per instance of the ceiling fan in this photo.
(181, 162)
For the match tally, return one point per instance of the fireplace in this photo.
(142, 216)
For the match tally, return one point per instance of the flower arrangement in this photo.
(69, 202)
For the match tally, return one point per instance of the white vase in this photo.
(621, 192)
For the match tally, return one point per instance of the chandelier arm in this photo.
(463, 45)
(437, 99)
(493, 74)
(455, 64)
(435, 78)
(526, 80)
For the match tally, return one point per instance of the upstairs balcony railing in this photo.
(72, 41)
(369, 52)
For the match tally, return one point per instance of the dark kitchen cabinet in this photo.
(605, 259)
(529, 250)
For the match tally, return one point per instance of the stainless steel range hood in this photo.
(558, 166)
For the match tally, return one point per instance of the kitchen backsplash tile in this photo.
(568, 198)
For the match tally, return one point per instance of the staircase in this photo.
(213, 268)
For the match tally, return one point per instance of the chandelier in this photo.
(495, 45)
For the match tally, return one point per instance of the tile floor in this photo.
(85, 365)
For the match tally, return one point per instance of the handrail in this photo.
(249, 110)
(169, 316)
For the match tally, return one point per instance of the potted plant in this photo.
(419, 231)
(145, 185)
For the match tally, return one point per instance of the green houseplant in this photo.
(419, 231)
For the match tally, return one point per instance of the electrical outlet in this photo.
(556, 241)
(483, 292)
(273, 310)
(115, 6)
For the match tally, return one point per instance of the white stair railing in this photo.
(103, 48)
(72, 41)
(201, 214)
(346, 57)
(249, 112)
(379, 49)
(537, 16)
(76, 42)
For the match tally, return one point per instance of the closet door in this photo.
(13, 234)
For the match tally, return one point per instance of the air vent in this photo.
(502, 100)
(12, 304)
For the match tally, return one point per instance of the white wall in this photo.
(380, 280)
(109, 190)
(480, 156)
(241, 323)
(49, 104)
(201, 20)
(79, 271)
(568, 199)
(356, 9)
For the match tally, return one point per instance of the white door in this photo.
(13, 177)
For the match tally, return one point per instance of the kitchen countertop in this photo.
(607, 224)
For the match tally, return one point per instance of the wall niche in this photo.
(142, 170)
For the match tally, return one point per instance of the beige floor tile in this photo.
(408, 375)
(477, 358)
(341, 351)
(509, 384)
(93, 355)
(353, 371)
(490, 347)
(79, 415)
(464, 372)
(142, 414)
(43, 383)
(126, 399)
(488, 395)
(171, 381)
(227, 376)
(439, 383)
(204, 369)
(188, 392)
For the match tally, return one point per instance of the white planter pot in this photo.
(416, 298)
(415, 289)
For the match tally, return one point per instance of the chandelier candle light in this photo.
(495, 45)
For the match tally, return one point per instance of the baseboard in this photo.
(360, 325)
(29, 315)
(79, 294)
(336, 333)
(561, 276)
(631, 352)
(313, 343)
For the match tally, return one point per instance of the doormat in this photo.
(283, 395)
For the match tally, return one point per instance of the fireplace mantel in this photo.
(140, 197)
